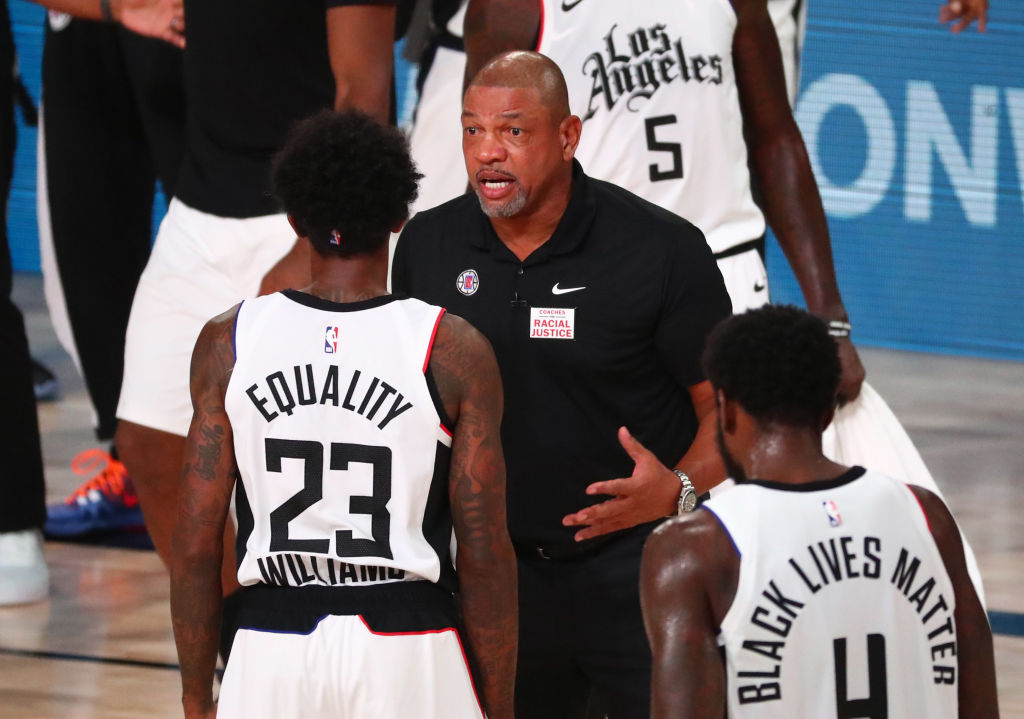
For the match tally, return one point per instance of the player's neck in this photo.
(791, 457)
(530, 229)
(349, 279)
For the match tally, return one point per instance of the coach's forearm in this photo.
(85, 9)
(702, 462)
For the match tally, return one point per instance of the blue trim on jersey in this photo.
(724, 528)
(234, 332)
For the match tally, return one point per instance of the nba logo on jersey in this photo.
(468, 282)
(335, 238)
(331, 340)
(833, 513)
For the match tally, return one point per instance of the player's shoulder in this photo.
(698, 533)
(456, 336)
(693, 548)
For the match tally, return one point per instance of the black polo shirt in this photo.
(601, 326)
(253, 68)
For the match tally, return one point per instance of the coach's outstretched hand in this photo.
(650, 493)
(162, 19)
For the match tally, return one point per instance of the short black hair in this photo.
(778, 362)
(346, 180)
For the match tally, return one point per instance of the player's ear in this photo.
(569, 131)
(827, 419)
(726, 409)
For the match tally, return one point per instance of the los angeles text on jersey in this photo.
(824, 565)
(301, 386)
(637, 64)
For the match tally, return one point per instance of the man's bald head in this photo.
(532, 71)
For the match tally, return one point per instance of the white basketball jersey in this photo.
(341, 451)
(843, 606)
(655, 86)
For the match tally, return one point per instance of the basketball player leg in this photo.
(95, 202)
(200, 266)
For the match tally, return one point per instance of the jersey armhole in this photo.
(234, 332)
(927, 522)
(446, 422)
(724, 529)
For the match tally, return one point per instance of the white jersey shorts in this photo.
(746, 280)
(344, 669)
(201, 265)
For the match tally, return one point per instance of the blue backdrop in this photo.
(917, 140)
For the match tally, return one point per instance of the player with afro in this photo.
(343, 199)
(793, 383)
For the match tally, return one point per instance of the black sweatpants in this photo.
(581, 634)
(113, 122)
(22, 494)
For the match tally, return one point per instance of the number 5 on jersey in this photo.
(342, 455)
(655, 145)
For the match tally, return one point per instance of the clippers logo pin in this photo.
(335, 238)
(468, 282)
(832, 510)
(331, 341)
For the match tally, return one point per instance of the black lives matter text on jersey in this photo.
(824, 565)
(632, 66)
(300, 386)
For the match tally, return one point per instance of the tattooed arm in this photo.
(468, 381)
(207, 480)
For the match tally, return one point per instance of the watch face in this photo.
(689, 500)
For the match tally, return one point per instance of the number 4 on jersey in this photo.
(876, 704)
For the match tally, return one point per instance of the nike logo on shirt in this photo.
(556, 290)
(568, 5)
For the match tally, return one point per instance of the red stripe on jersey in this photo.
(407, 634)
(447, 431)
(433, 336)
(472, 683)
(540, 33)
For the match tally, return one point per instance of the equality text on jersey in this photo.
(283, 391)
(635, 65)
